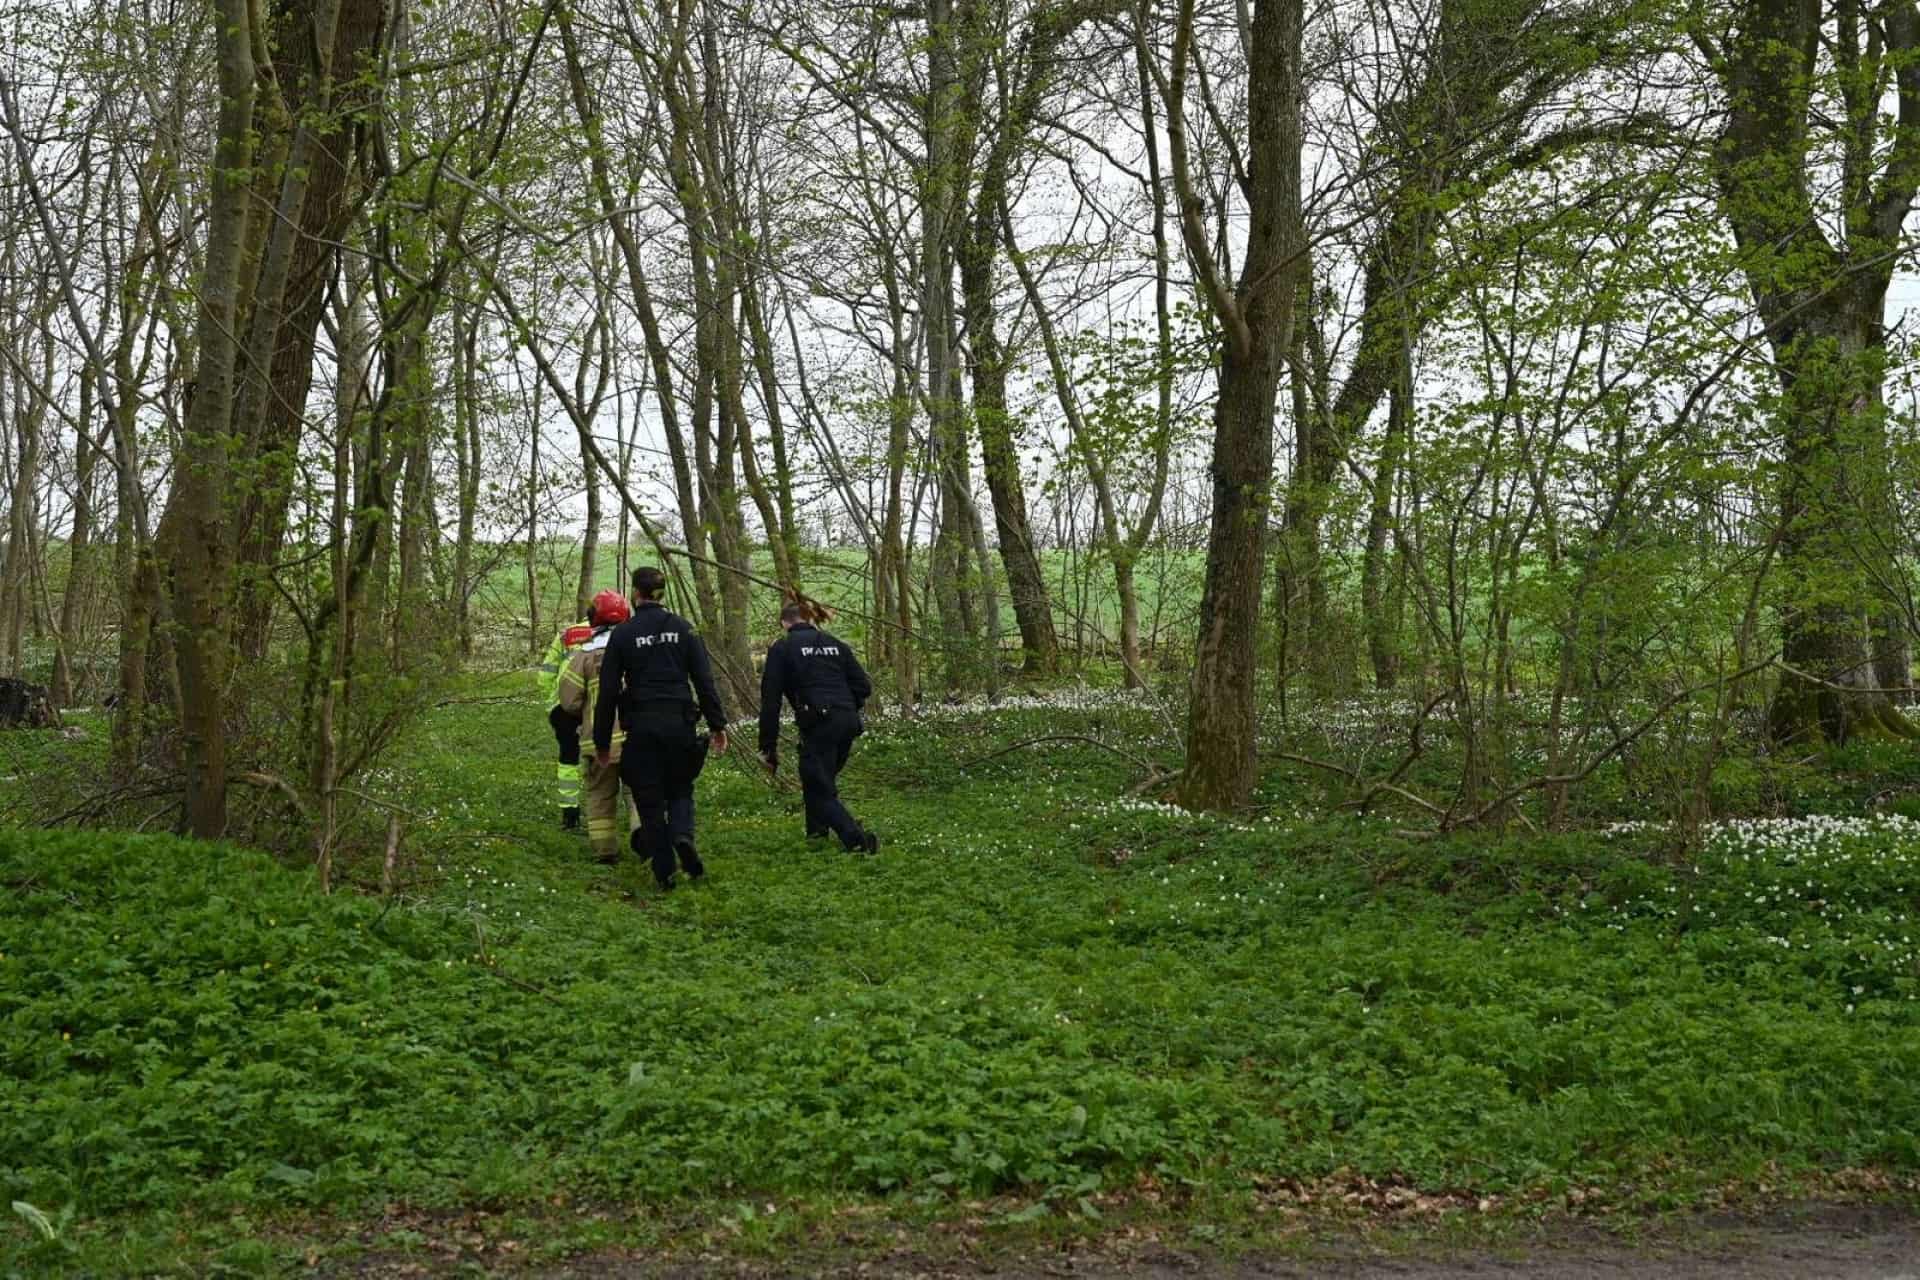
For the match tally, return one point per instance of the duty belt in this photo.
(675, 705)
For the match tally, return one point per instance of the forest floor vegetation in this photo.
(1054, 1018)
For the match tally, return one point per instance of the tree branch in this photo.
(1145, 766)
(1893, 195)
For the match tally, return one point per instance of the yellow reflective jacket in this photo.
(580, 687)
(553, 663)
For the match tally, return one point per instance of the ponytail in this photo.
(805, 610)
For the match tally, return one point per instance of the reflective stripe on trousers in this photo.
(601, 799)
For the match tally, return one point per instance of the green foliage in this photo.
(1038, 987)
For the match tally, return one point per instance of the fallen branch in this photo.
(1620, 743)
(1354, 776)
(268, 782)
(1810, 678)
(92, 805)
(1879, 799)
(378, 803)
(1152, 780)
(171, 806)
(1145, 766)
(1416, 746)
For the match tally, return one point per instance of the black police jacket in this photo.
(650, 658)
(813, 670)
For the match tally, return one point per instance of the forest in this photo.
(1385, 533)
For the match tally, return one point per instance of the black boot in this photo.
(662, 866)
(689, 858)
(570, 818)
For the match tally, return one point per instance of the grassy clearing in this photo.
(1039, 991)
(1086, 604)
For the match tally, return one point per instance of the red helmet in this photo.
(609, 607)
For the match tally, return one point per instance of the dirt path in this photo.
(1818, 1242)
(1890, 1254)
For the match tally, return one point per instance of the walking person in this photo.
(579, 691)
(650, 660)
(819, 675)
(571, 771)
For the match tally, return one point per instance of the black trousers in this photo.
(824, 747)
(662, 757)
(566, 732)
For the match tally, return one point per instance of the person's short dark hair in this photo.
(794, 611)
(648, 582)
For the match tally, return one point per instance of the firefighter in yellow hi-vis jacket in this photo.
(566, 733)
(579, 687)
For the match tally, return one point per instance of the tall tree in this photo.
(1804, 80)
(639, 297)
(1470, 103)
(202, 493)
(1256, 315)
(948, 125)
(321, 55)
(1023, 80)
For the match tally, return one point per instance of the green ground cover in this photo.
(1042, 989)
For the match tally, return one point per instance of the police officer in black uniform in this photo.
(643, 680)
(819, 675)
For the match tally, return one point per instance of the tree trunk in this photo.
(1823, 301)
(589, 403)
(1033, 70)
(786, 527)
(1026, 581)
(79, 554)
(1832, 490)
(469, 466)
(658, 356)
(530, 566)
(16, 603)
(943, 191)
(989, 589)
(1258, 320)
(1382, 621)
(321, 52)
(133, 552)
(894, 564)
(715, 398)
(1221, 764)
(412, 618)
(199, 562)
(1893, 656)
